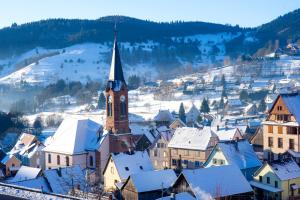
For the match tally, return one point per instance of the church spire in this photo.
(116, 71)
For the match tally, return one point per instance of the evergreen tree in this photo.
(262, 106)
(223, 93)
(101, 101)
(221, 104)
(223, 81)
(204, 106)
(182, 115)
(244, 95)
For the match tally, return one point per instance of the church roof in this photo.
(116, 71)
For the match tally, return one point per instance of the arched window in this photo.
(91, 161)
(67, 161)
(49, 158)
(58, 159)
(109, 106)
(123, 108)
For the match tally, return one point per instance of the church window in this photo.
(49, 158)
(109, 106)
(123, 105)
(67, 161)
(58, 159)
(91, 161)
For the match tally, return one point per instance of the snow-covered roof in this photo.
(265, 186)
(164, 116)
(128, 164)
(226, 134)
(180, 196)
(62, 180)
(239, 153)
(39, 183)
(286, 170)
(137, 129)
(234, 102)
(6, 158)
(206, 183)
(192, 114)
(25, 173)
(292, 101)
(26, 146)
(191, 138)
(75, 136)
(159, 179)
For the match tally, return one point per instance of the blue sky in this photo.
(243, 12)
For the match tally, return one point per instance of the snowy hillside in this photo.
(90, 61)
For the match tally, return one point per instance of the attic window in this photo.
(141, 167)
(126, 168)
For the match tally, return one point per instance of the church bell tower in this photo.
(116, 96)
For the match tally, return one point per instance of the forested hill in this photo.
(60, 33)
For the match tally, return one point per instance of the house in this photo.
(222, 182)
(257, 140)
(177, 123)
(59, 181)
(136, 188)
(10, 164)
(25, 173)
(28, 149)
(192, 115)
(277, 180)
(227, 133)
(281, 127)
(76, 142)
(158, 151)
(251, 109)
(190, 147)
(121, 165)
(239, 153)
(163, 117)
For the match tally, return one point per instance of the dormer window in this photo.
(126, 168)
(279, 107)
(141, 167)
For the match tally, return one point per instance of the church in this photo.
(84, 142)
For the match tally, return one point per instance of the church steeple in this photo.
(116, 71)
(116, 95)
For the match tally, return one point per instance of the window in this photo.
(270, 129)
(280, 143)
(112, 170)
(165, 154)
(141, 167)
(276, 184)
(109, 106)
(260, 178)
(221, 162)
(13, 164)
(279, 107)
(185, 162)
(198, 153)
(268, 180)
(67, 161)
(155, 153)
(91, 161)
(186, 152)
(58, 159)
(279, 129)
(49, 158)
(292, 130)
(270, 141)
(215, 161)
(123, 108)
(197, 164)
(126, 168)
(291, 144)
(174, 162)
(279, 117)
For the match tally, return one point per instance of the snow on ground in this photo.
(80, 62)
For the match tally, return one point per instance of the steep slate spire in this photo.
(116, 71)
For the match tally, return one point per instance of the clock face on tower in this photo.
(122, 98)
